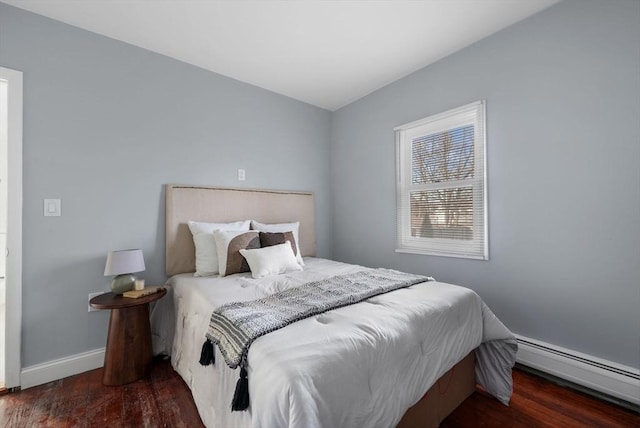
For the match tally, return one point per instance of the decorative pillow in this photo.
(268, 239)
(282, 227)
(272, 260)
(229, 243)
(205, 244)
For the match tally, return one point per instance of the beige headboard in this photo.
(218, 204)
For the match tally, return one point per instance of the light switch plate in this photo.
(51, 208)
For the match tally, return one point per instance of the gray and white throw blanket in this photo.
(234, 326)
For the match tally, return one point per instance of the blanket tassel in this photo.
(241, 397)
(207, 356)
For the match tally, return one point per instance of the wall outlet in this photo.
(91, 296)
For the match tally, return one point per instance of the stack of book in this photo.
(135, 294)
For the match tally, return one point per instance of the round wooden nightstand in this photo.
(129, 355)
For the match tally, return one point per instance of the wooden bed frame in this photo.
(218, 204)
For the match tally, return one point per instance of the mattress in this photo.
(360, 365)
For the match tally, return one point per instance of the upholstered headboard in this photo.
(221, 205)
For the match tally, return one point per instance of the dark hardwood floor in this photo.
(163, 400)
(537, 402)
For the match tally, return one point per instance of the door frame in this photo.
(13, 274)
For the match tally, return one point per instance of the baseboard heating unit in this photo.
(602, 376)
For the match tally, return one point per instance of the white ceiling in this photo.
(326, 53)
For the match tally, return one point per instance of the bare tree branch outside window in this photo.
(444, 158)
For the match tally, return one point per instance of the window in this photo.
(441, 185)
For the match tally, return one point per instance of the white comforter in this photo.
(360, 365)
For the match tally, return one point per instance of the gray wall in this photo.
(563, 118)
(107, 124)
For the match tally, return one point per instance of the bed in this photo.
(406, 358)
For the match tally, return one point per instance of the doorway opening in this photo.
(3, 221)
(10, 226)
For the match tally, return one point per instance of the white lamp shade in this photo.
(124, 261)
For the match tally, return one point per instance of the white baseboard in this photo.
(61, 368)
(607, 377)
(610, 378)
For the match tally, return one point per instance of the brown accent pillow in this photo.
(228, 244)
(269, 239)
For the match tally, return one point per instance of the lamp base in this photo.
(122, 283)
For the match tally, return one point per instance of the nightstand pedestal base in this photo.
(129, 355)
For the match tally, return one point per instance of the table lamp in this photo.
(123, 264)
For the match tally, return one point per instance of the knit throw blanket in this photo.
(234, 326)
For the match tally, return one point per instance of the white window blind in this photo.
(441, 184)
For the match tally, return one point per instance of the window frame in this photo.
(475, 248)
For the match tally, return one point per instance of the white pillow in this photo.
(282, 227)
(206, 253)
(229, 243)
(272, 260)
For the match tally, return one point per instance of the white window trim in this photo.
(471, 113)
